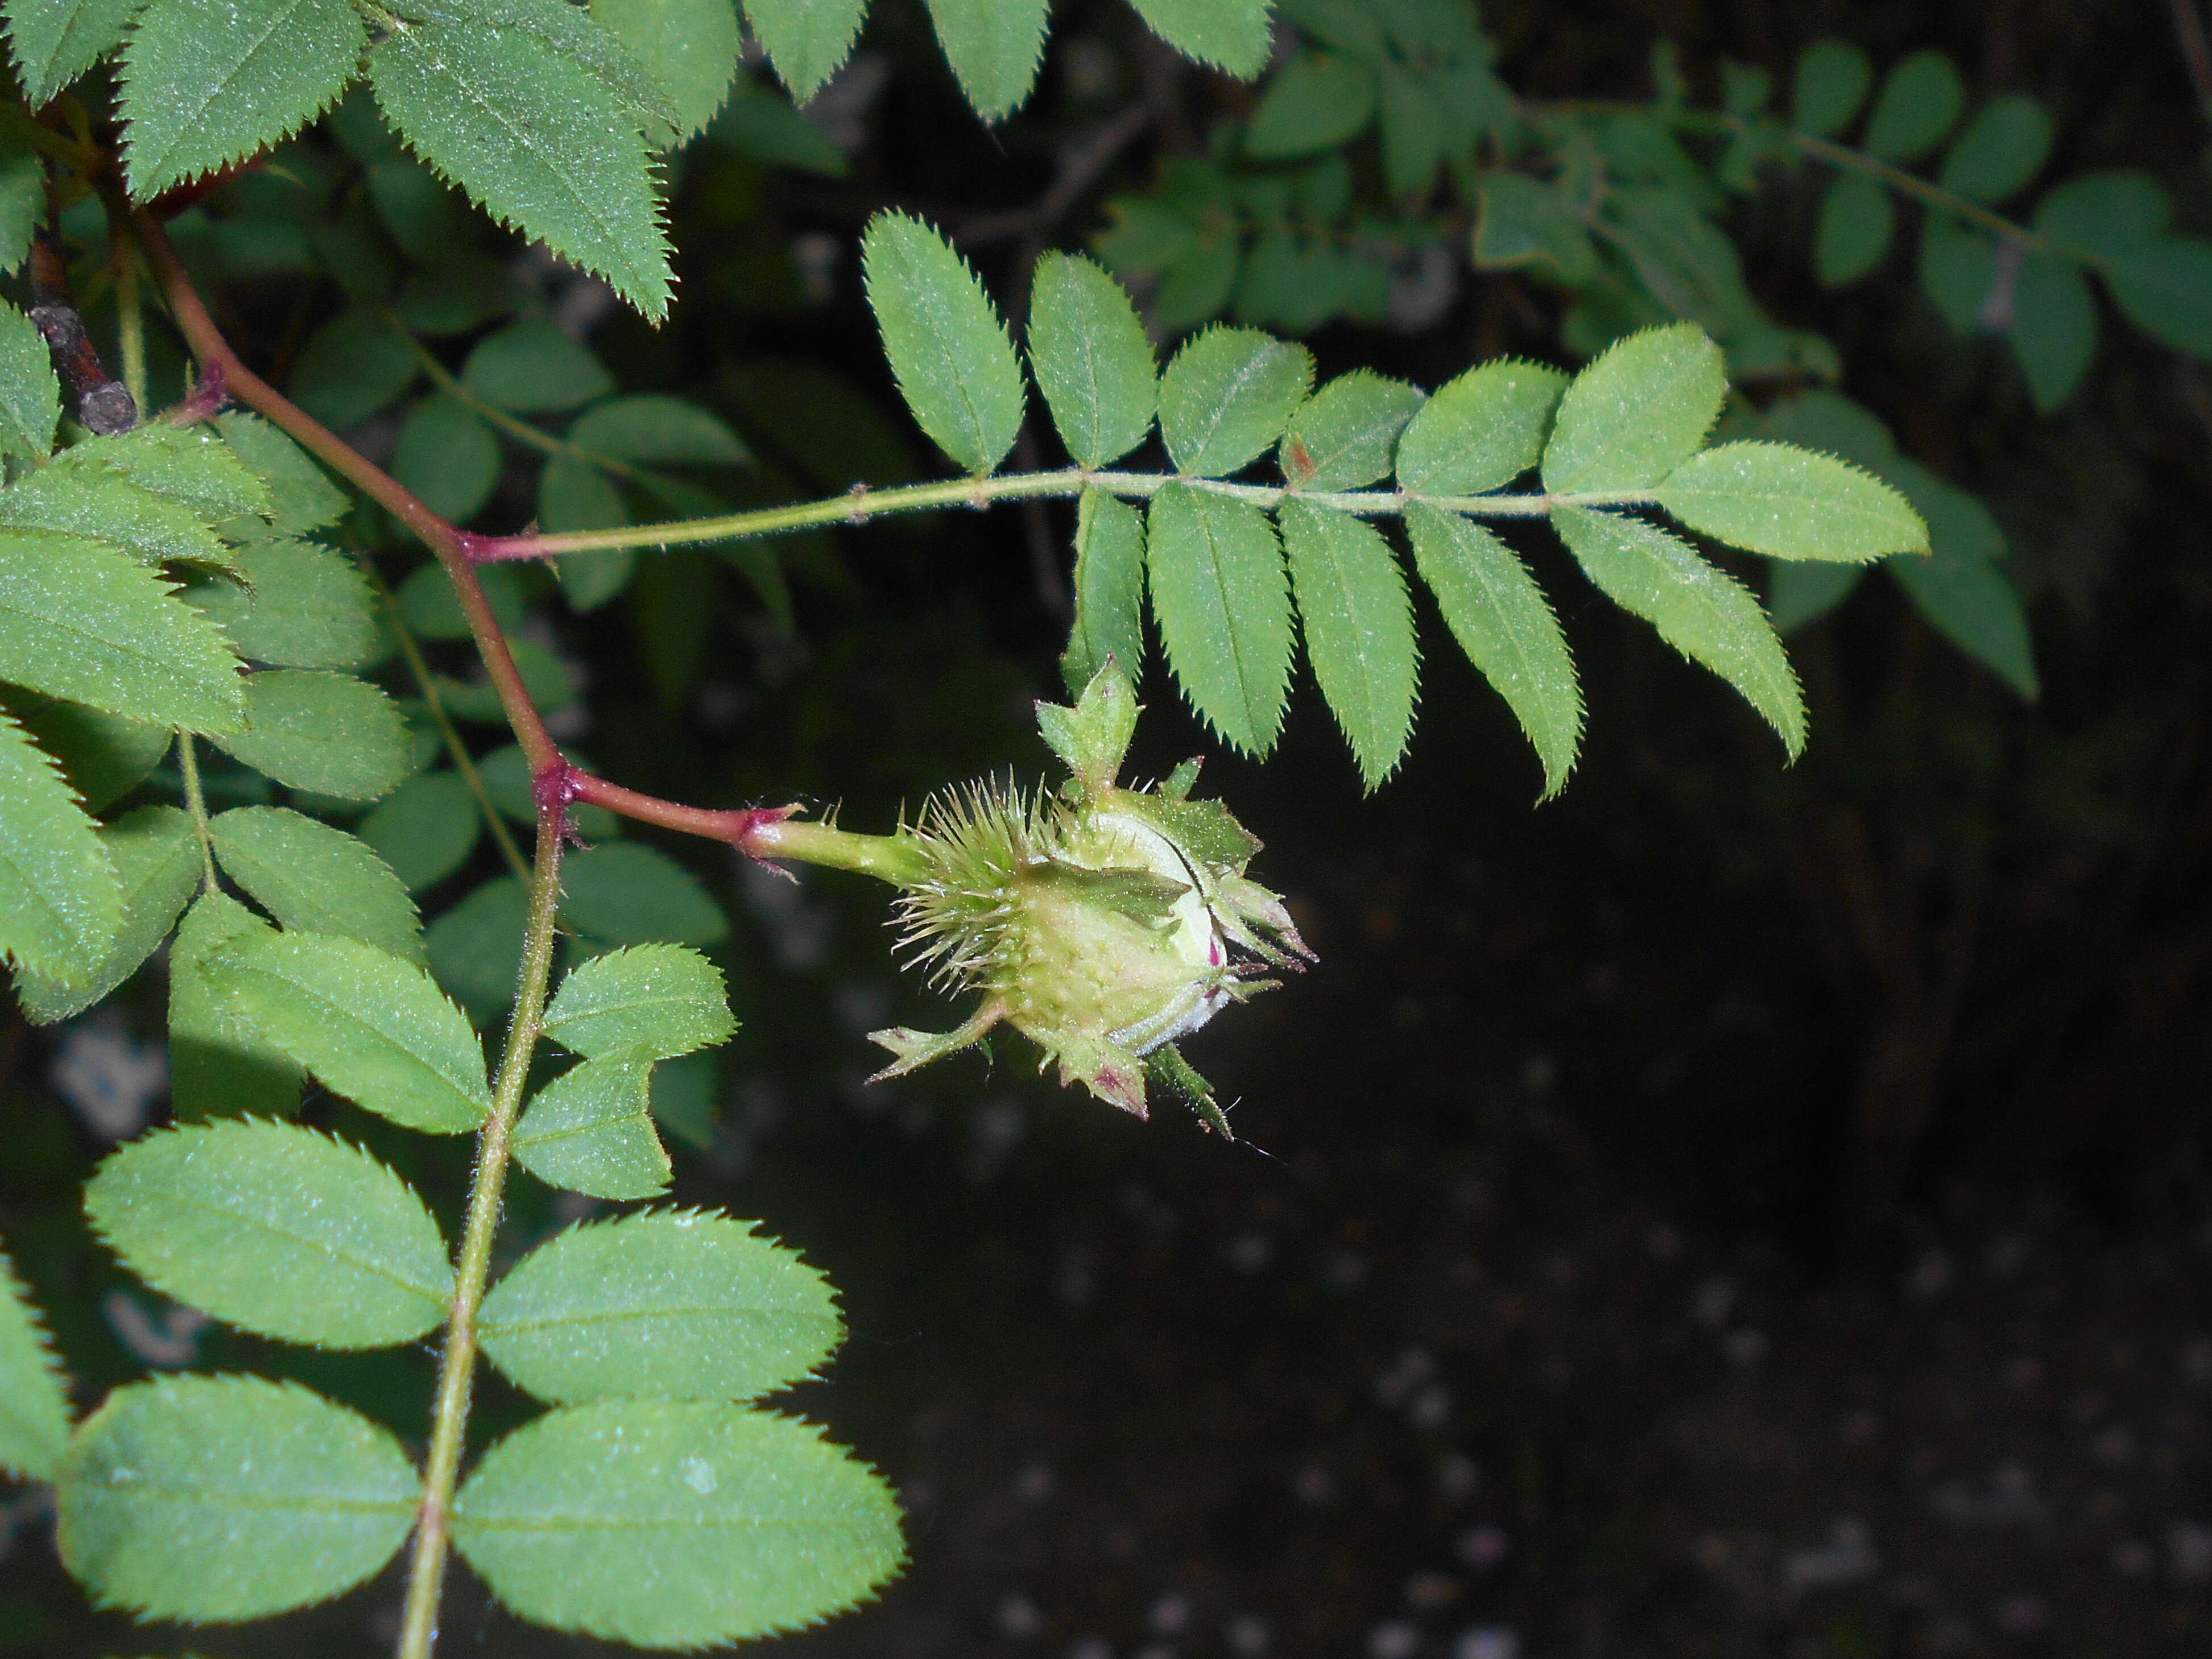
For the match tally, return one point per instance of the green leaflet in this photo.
(315, 879)
(2054, 328)
(1791, 503)
(187, 465)
(30, 397)
(425, 829)
(1318, 101)
(995, 48)
(353, 366)
(22, 198)
(590, 1130)
(1502, 622)
(1637, 413)
(2093, 213)
(1110, 590)
(222, 1498)
(54, 41)
(1345, 435)
(538, 141)
(61, 903)
(955, 366)
(533, 367)
(476, 947)
(1920, 101)
(582, 38)
(206, 82)
(369, 1025)
(1833, 78)
(219, 1066)
(1854, 229)
(448, 455)
(1963, 591)
(1092, 737)
(2003, 147)
(1092, 359)
(765, 126)
(331, 733)
(1228, 395)
(34, 1406)
(1524, 223)
(1415, 133)
(156, 858)
(276, 1230)
(105, 506)
(807, 40)
(1232, 34)
(678, 1305)
(301, 497)
(675, 1524)
(1958, 269)
(1359, 630)
(627, 894)
(1224, 607)
(1480, 431)
(104, 758)
(2164, 285)
(656, 430)
(301, 606)
(1698, 608)
(1798, 595)
(689, 48)
(663, 999)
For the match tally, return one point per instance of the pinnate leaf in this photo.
(297, 604)
(1791, 503)
(663, 999)
(276, 1230)
(60, 901)
(1224, 605)
(1637, 413)
(1359, 629)
(675, 1524)
(1698, 608)
(315, 879)
(223, 1498)
(1502, 622)
(1229, 394)
(807, 40)
(187, 465)
(1235, 35)
(1481, 430)
(30, 397)
(1092, 358)
(954, 366)
(54, 41)
(678, 1305)
(104, 756)
(34, 1408)
(1319, 100)
(590, 1130)
(156, 858)
(2092, 213)
(369, 1025)
(1963, 591)
(691, 48)
(219, 1066)
(1347, 434)
(331, 733)
(1110, 590)
(995, 48)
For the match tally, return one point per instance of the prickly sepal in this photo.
(1102, 923)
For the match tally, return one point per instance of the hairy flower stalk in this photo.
(1102, 923)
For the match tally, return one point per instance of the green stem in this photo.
(1931, 194)
(457, 1363)
(129, 316)
(188, 764)
(894, 859)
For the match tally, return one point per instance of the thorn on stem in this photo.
(751, 834)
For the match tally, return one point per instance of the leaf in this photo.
(1791, 503)
(156, 858)
(369, 1025)
(676, 1524)
(328, 732)
(103, 757)
(532, 367)
(1317, 101)
(105, 506)
(1092, 359)
(1854, 229)
(681, 1305)
(995, 48)
(1234, 36)
(1833, 78)
(1414, 136)
(2093, 213)
(223, 1498)
(1224, 605)
(1962, 592)
(352, 366)
(583, 39)
(30, 397)
(2164, 289)
(275, 1230)
(2054, 328)
(1110, 590)
(1637, 413)
(1228, 395)
(807, 40)
(955, 366)
(301, 494)
(2003, 147)
(476, 947)
(308, 607)
(220, 1066)
(34, 1405)
(1698, 608)
(22, 198)
(575, 494)
(1524, 223)
(661, 999)
(1798, 594)
(536, 140)
(626, 894)
(1359, 629)
(684, 1095)
(764, 126)
(1480, 431)
(207, 82)
(1344, 436)
(689, 48)
(54, 41)
(1920, 101)
(425, 829)
(657, 431)
(61, 903)
(448, 455)
(315, 879)
(1958, 269)
(590, 1130)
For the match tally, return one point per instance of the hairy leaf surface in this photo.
(315, 879)
(690, 49)
(34, 1407)
(807, 40)
(1228, 395)
(105, 506)
(331, 733)
(30, 397)
(1092, 358)
(1223, 601)
(61, 903)
(995, 48)
(303, 605)
(1637, 413)
(1110, 590)
(219, 1065)
(590, 1130)
(1359, 630)
(954, 366)
(663, 999)
(1791, 503)
(1347, 434)
(1231, 35)
(156, 858)
(301, 497)
(1480, 431)
(54, 41)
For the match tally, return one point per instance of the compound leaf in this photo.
(590, 1130)
(1963, 591)
(34, 1405)
(807, 40)
(1480, 431)
(315, 879)
(1235, 35)
(54, 41)
(2093, 213)
(1092, 358)
(30, 397)
(677, 1304)
(1698, 608)
(954, 366)
(369, 1025)
(331, 733)
(1229, 394)
(1359, 630)
(676, 1524)
(1791, 503)
(663, 999)
(104, 756)
(1637, 413)
(187, 465)
(276, 1230)
(1919, 102)
(61, 903)
(995, 48)
(1110, 590)
(1223, 601)
(229, 1497)
(219, 1066)
(156, 858)
(301, 606)
(1346, 435)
